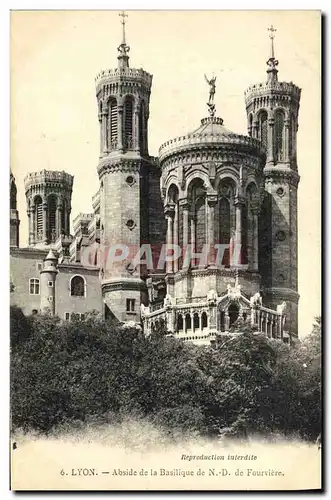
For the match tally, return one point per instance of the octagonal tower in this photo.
(48, 195)
(272, 110)
(123, 102)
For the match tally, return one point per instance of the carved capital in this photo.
(212, 199)
(185, 203)
(169, 210)
(239, 201)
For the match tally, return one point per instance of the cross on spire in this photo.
(272, 61)
(272, 36)
(123, 49)
(123, 16)
(272, 31)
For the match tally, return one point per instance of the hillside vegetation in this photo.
(69, 374)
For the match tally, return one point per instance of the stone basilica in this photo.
(209, 189)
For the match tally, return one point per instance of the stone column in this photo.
(67, 221)
(192, 322)
(100, 124)
(169, 214)
(104, 132)
(32, 225)
(255, 238)
(45, 214)
(212, 316)
(266, 324)
(145, 132)
(175, 235)
(192, 237)
(120, 127)
(185, 205)
(280, 329)
(258, 320)
(226, 321)
(287, 140)
(136, 128)
(184, 323)
(270, 152)
(238, 238)
(212, 201)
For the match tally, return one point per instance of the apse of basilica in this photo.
(211, 189)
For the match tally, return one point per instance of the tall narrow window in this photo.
(199, 216)
(142, 126)
(39, 217)
(130, 305)
(263, 128)
(112, 124)
(128, 122)
(250, 124)
(225, 228)
(279, 135)
(13, 194)
(52, 202)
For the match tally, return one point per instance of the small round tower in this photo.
(48, 195)
(47, 283)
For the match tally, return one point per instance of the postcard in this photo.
(165, 194)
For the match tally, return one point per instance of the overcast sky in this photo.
(55, 56)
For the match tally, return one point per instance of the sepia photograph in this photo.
(165, 250)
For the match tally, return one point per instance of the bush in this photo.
(63, 373)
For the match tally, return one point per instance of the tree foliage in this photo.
(64, 372)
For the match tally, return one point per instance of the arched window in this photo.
(250, 124)
(77, 286)
(279, 135)
(180, 322)
(198, 215)
(263, 128)
(233, 313)
(51, 206)
(13, 194)
(128, 123)
(196, 321)
(188, 321)
(225, 224)
(38, 217)
(112, 124)
(226, 217)
(204, 320)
